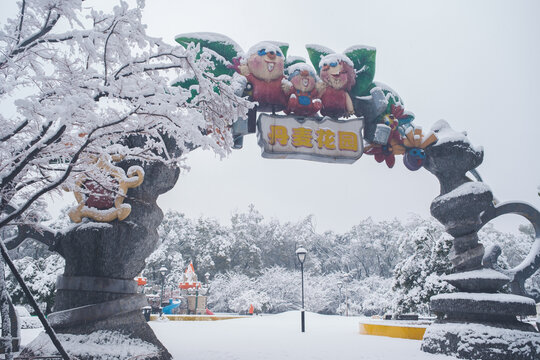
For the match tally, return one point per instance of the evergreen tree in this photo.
(417, 277)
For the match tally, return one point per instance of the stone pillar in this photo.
(477, 322)
(97, 291)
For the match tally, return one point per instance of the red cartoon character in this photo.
(263, 67)
(338, 76)
(301, 88)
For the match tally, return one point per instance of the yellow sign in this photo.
(317, 139)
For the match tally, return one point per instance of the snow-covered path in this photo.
(278, 337)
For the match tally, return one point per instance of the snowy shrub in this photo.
(242, 303)
(282, 286)
(278, 290)
(416, 278)
(376, 295)
(40, 277)
(321, 293)
(224, 288)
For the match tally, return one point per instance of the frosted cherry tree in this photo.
(81, 81)
(80, 88)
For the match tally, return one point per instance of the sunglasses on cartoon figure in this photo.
(263, 52)
(302, 73)
(328, 66)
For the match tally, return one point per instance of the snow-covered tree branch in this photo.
(76, 82)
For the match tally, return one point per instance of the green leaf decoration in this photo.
(292, 60)
(187, 84)
(391, 95)
(316, 52)
(363, 58)
(220, 44)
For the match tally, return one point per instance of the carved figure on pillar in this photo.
(97, 291)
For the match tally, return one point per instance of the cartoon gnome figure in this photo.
(263, 68)
(338, 77)
(301, 90)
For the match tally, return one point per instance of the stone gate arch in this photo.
(96, 291)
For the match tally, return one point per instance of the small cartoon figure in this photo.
(393, 146)
(338, 76)
(303, 96)
(263, 67)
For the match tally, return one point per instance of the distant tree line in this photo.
(384, 266)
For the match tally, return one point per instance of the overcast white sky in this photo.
(472, 63)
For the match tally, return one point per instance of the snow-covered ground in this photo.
(279, 337)
(272, 337)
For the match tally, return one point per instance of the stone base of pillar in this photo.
(483, 341)
(130, 331)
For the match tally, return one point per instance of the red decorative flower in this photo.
(382, 153)
(397, 111)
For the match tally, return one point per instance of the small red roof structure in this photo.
(190, 278)
(141, 281)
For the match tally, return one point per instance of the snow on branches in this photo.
(75, 82)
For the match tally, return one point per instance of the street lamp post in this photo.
(339, 285)
(345, 290)
(346, 302)
(301, 254)
(162, 271)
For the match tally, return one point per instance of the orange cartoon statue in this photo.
(302, 91)
(338, 76)
(263, 66)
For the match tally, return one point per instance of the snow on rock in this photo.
(465, 189)
(469, 341)
(95, 225)
(446, 134)
(476, 274)
(501, 298)
(103, 345)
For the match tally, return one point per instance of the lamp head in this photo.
(301, 254)
(163, 270)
